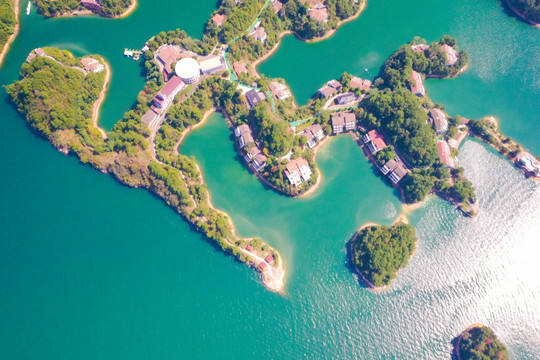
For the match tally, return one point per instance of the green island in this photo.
(479, 342)
(107, 8)
(378, 252)
(529, 10)
(9, 25)
(410, 139)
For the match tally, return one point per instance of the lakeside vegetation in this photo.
(401, 116)
(8, 20)
(56, 97)
(57, 101)
(378, 252)
(481, 343)
(58, 7)
(529, 8)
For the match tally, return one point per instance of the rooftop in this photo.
(187, 68)
(239, 68)
(168, 54)
(319, 14)
(219, 19)
(452, 55)
(360, 83)
(171, 86)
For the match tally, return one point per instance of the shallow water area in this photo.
(90, 269)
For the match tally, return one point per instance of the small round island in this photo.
(479, 342)
(188, 70)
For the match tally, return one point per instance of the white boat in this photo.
(28, 7)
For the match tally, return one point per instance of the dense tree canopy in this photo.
(56, 97)
(380, 251)
(398, 114)
(481, 343)
(58, 7)
(275, 135)
(7, 21)
(529, 8)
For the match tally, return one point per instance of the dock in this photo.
(135, 54)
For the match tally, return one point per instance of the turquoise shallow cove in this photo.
(90, 269)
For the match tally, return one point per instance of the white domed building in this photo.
(188, 70)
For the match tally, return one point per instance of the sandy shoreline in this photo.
(461, 71)
(319, 174)
(128, 11)
(16, 6)
(101, 98)
(193, 127)
(275, 281)
(253, 66)
(85, 12)
(521, 15)
(331, 33)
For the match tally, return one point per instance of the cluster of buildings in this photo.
(343, 121)
(394, 168)
(162, 101)
(297, 171)
(253, 156)
(331, 87)
(186, 71)
(167, 55)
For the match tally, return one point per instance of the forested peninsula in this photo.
(479, 342)
(9, 25)
(57, 96)
(378, 252)
(107, 8)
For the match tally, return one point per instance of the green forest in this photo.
(380, 251)
(59, 7)
(529, 8)
(481, 343)
(56, 97)
(7, 21)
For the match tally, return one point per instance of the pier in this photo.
(135, 54)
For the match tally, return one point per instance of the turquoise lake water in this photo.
(90, 269)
